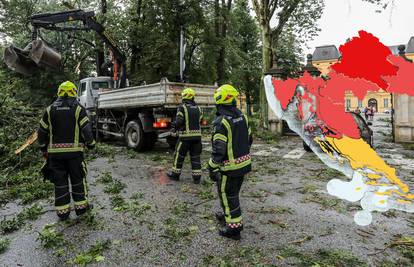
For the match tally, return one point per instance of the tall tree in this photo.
(222, 9)
(100, 54)
(302, 13)
(244, 58)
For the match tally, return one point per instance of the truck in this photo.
(138, 114)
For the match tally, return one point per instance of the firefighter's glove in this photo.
(214, 175)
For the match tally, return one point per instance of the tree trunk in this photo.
(100, 54)
(267, 64)
(135, 47)
(248, 103)
(221, 22)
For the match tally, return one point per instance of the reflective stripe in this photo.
(247, 123)
(76, 139)
(176, 170)
(212, 164)
(201, 113)
(43, 124)
(224, 197)
(82, 202)
(65, 149)
(235, 166)
(230, 141)
(63, 207)
(197, 134)
(180, 114)
(176, 155)
(50, 125)
(85, 187)
(234, 220)
(221, 137)
(83, 121)
(187, 123)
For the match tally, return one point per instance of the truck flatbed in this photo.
(163, 94)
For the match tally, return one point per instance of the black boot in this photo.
(231, 231)
(63, 216)
(81, 211)
(173, 176)
(196, 179)
(220, 218)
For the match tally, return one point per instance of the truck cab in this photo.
(89, 88)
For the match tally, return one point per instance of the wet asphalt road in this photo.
(162, 223)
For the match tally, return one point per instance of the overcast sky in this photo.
(344, 18)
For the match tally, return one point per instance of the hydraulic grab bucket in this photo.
(34, 55)
(44, 56)
(18, 60)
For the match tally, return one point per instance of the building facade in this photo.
(324, 57)
(403, 116)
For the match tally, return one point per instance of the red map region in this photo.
(366, 65)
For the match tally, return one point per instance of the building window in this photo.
(385, 102)
(359, 103)
(348, 104)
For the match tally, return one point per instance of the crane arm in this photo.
(50, 21)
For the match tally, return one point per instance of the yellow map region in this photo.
(361, 156)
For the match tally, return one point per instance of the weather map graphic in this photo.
(314, 108)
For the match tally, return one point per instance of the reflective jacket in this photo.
(231, 142)
(187, 121)
(65, 129)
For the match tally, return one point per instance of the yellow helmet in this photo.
(226, 95)
(188, 93)
(68, 89)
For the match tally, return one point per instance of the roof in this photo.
(325, 52)
(394, 49)
(410, 46)
(328, 52)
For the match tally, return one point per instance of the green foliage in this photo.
(175, 233)
(16, 222)
(4, 244)
(93, 255)
(10, 225)
(323, 258)
(117, 202)
(106, 178)
(31, 213)
(114, 187)
(243, 53)
(179, 208)
(49, 237)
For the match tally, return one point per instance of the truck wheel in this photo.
(306, 147)
(134, 136)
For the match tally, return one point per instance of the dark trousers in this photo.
(181, 149)
(228, 191)
(74, 169)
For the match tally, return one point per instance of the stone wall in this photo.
(403, 118)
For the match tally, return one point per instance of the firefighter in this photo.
(187, 125)
(63, 134)
(230, 159)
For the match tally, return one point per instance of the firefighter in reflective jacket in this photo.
(63, 134)
(187, 124)
(230, 158)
